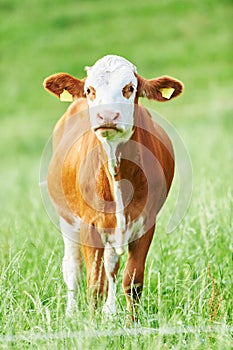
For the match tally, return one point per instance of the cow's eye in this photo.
(131, 88)
(91, 93)
(128, 90)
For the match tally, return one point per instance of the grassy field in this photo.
(187, 301)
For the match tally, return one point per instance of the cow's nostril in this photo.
(108, 116)
(99, 116)
(117, 116)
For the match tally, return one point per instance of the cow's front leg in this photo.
(111, 265)
(71, 265)
(71, 272)
(134, 271)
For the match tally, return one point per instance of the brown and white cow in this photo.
(111, 171)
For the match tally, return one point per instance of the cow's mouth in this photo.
(108, 131)
(106, 127)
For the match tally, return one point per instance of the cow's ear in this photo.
(161, 89)
(64, 86)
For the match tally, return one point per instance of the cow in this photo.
(110, 174)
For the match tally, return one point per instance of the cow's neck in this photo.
(114, 160)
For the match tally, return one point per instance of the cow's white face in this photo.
(110, 89)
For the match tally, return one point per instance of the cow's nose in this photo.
(108, 116)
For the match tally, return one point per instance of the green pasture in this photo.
(187, 301)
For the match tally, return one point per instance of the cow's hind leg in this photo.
(72, 263)
(134, 271)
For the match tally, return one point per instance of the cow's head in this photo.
(112, 87)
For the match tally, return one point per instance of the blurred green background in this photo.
(190, 40)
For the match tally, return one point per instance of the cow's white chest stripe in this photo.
(120, 217)
(110, 149)
(117, 240)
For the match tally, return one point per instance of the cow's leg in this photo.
(96, 280)
(111, 265)
(93, 251)
(134, 271)
(72, 263)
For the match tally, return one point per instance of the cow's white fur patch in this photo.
(101, 72)
(110, 261)
(71, 265)
(120, 219)
(133, 231)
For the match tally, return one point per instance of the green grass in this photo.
(191, 40)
